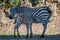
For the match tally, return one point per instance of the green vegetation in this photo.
(34, 2)
(9, 2)
(16, 2)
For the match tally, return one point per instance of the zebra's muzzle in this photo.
(10, 17)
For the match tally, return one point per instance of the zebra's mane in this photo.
(27, 10)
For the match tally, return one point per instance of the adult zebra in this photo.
(30, 15)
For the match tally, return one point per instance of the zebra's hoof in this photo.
(27, 36)
(19, 36)
(31, 36)
(42, 36)
(15, 36)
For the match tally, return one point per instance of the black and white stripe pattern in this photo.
(31, 15)
(19, 18)
(41, 14)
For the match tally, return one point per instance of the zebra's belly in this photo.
(37, 21)
(25, 21)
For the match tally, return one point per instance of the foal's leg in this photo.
(29, 21)
(15, 20)
(30, 25)
(18, 33)
(17, 24)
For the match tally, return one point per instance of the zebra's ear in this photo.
(13, 6)
(6, 13)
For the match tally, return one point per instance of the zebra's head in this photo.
(15, 10)
(12, 12)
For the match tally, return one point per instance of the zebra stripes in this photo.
(41, 14)
(39, 11)
(29, 16)
(19, 18)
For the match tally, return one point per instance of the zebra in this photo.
(29, 16)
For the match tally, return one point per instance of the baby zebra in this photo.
(30, 15)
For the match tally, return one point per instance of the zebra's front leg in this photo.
(16, 29)
(30, 25)
(14, 32)
(27, 27)
(17, 24)
(44, 26)
(18, 33)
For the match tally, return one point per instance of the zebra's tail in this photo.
(50, 13)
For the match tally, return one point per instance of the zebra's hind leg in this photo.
(44, 26)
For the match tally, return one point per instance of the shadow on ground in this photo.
(35, 37)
